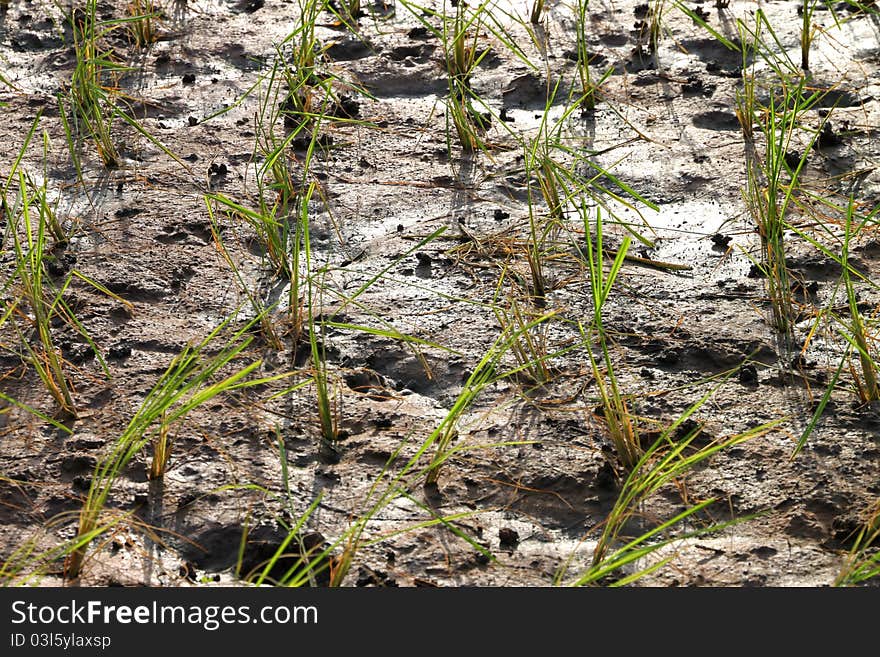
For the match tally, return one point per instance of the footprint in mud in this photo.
(193, 233)
(716, 55)
(75, 466)
(367, 382)
(219, 547)
(407, 372)
(420, 52)
(246, 6)
(716, 120)
(29, 41)
(236, 55)
(349, 48)
(614, 39)
(389, 79)
(423, 269)
(527, 90)
(14, 497)
(836, 97)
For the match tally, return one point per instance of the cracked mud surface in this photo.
(667, 126)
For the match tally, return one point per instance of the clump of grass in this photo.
(537, 12)
(619, 421)
(566, 177)
(329, 424)
(461, 45)
(190, 381)
(590, 86)
(863, 561)
(857, 334)
(530, 349)
(258, 305)
(773, 178)
(667, 460)
(140, 22)
(94, 83)
(300, 72)
(43, 300)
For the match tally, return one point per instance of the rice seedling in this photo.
(190, 381)
(855, 331)
(486, 372)
(808, 30)
(333, 561)
(863, 561)
(665, 461)
(300, 71)
(93, 85)
(42, 299)
(329, 424)
(650, 26)
(258, 305)
(460, 40)
(530, 349)
(40, 192)
(773, 179)
(537, 12)
(589, 85)
(270, 229)
(140, 22)
(623, 433)
(302, 563)
(27, 564)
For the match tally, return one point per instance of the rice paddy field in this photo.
(329, 293)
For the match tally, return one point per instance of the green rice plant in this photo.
(537, 12)
(140, 22)
(463, 118)
(275, 174)
(460, 40)
(270, 229)
(28, 563)
(808, 30)
(92, 102)
(566, 174)
(258, 305)
(94, 86)
(43, 300)
(530, 348)
(654, 22)
(36, 297)
(40, 192)
(665, 461)
(484, 374)
(619, 421)
(306, 563)
(301, 73)
(589, 85)
(746, 106)
(468, 116)
(398, 483)
(863, 561)
(772, 178)
(334, 560)
(544, 161)
(329, 424)
(855, 331)
(193, 378)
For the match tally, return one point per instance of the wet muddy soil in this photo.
(533, 475)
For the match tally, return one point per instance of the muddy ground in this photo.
(666, 126)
